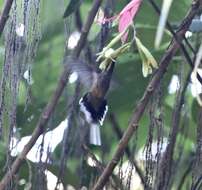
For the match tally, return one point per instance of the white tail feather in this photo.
(95, 134)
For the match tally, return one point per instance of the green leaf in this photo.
(73, 5)
(148, 60)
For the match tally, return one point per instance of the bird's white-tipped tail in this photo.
(95, 137)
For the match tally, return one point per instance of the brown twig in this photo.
(67, 134)
(79, 25)
(198, 184)
(133, 125)
(86, 27)
(185, 175)
(5, 14)
(119, 134)
(45, 116)
(182, 47)
(166, 165)
(99, 165)
(197, 174)
(105, 28)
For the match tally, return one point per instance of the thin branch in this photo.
(67, 133)
(5, 15)
(105, 27)
(119, 134)
(185, 175)
(182, 47)
(166, 165)
(45, 116)
(190, 46)
(133, 125)
(197, 174)
(99, 165)
(79, 25)
(197, 184)
(78, 20)
(86, 27)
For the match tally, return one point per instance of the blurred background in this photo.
(33, 48)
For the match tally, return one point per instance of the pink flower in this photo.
(126, 16)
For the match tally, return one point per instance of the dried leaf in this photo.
(148, 60)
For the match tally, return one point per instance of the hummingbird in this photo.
(93, 103)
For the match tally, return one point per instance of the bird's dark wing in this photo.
(87, 74)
